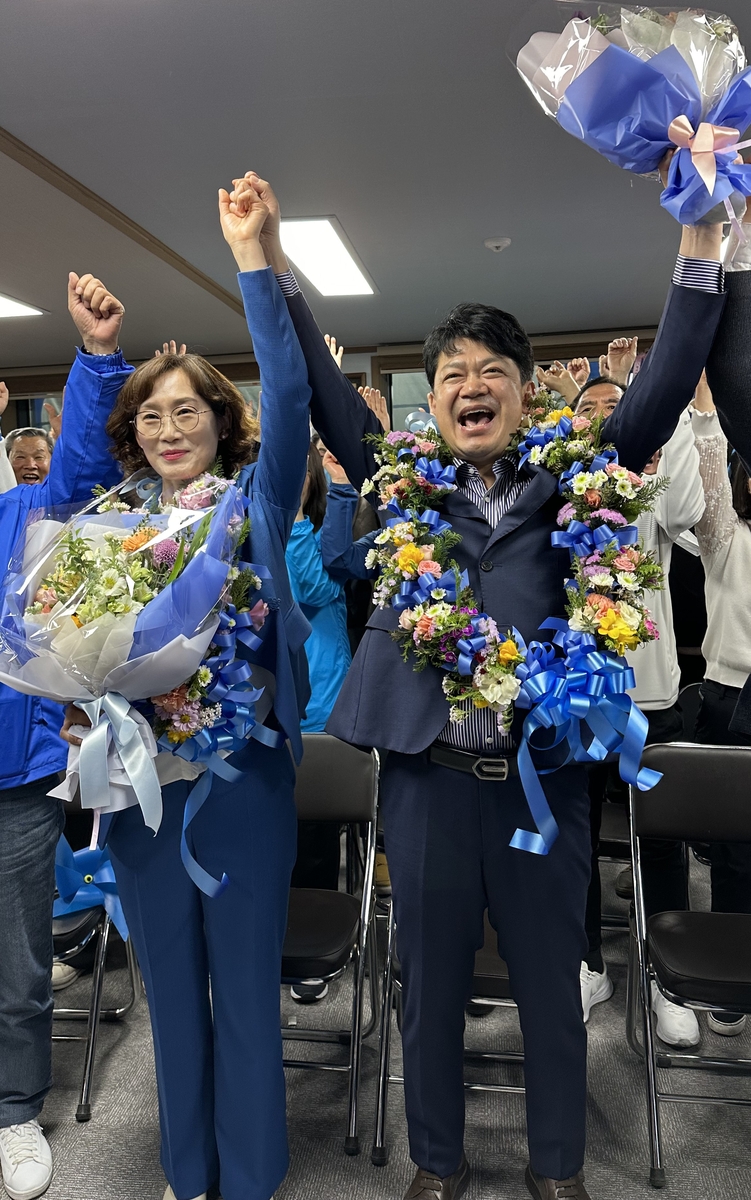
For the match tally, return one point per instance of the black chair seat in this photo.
(322, 928)
(73, 929)
(705, 957)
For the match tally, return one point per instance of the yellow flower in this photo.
(409, 558)
(508, 651)
(557, 413)
(479, 702)
(614, 627)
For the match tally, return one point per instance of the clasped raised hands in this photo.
(242, 214)
(618, 363)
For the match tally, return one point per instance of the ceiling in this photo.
(404, 118)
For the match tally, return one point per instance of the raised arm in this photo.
(681, 505)
(7, 478)
(312, 585)
(719, 522)
(337, 412)
(343, 557)
(729, 365)
(647, 415)
(81, 458)
(285, 395)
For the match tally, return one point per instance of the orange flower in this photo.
(136, 540)
(593, 497)
(425, 627)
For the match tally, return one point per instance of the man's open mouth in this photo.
(475, 418)
(30, 476)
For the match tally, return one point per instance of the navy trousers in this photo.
(212, 971)
(447, 842)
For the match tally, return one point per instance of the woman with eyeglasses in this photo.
(212, 967)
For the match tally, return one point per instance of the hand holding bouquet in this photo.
(634, 83)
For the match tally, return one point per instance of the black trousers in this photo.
(731, 861)
(663, 866)
(447, 842)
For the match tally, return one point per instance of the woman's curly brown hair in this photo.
(237, 447)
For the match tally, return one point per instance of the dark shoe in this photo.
(543, 1188)
(624, 884)
(476, 1008)
(427, 1186)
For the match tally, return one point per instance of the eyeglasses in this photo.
(184, 419)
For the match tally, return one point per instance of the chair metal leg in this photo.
(379, 1154)
(83, 1112)
(352, 1141)
(657, 1170)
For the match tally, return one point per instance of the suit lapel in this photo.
(537, 493)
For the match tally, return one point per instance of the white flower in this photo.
(599, 479)
(371, 559)
(628, 580)
(620, 473)
(625, 488)
(501, 691)
(630, 615)
(535, 454)
(603, 579)
(438, 593)
(367, 487)
(581, 483)
(579, 623)
(383, 537)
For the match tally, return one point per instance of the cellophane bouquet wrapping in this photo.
(634, 82)
(114, 601)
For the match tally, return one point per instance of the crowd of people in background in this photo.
(299, 472)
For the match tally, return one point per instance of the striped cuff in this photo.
(288, 284)
(704, 274)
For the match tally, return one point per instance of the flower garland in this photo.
(441, 625)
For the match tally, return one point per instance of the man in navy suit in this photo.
(451, 796)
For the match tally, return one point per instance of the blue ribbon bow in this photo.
(582, 541)
(469, 646)
(428, 517)
(440, 476)
(420, 591)
(85, 879)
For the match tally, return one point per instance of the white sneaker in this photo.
(63, 975)
(727, 1028)
(596, 987)
(26, 1160)
(675, 1025)
(170, 1195)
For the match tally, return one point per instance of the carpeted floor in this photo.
(116, 1155)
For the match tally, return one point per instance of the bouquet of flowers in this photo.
(634, 82)
(133, 611)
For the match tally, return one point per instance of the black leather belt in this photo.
(492, 769)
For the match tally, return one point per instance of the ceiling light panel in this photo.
(14, 308)
(318, 249)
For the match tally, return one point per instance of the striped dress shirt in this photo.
(479, 732)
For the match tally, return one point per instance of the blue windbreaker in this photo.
(30, 744)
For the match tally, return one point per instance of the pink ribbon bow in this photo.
(703, 144)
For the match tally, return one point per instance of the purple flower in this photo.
(610, 515)
(396, 436)
(567, 513)
(449, 657)
(164, 553)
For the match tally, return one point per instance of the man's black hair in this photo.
(598, 379)
(498, 330)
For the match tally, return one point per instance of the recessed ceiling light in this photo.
(14, 308)
(318, 248)
(497, 244)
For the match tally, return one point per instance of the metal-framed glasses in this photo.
(184, 419)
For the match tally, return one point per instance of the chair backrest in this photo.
(335, 782)
(689, 699)
(704, 794)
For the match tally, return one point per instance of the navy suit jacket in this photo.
(516, 575)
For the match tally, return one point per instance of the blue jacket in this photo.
(515, 574)
(322, 601)
(31, 747)
(274, 485)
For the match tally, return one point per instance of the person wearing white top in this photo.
(676, 510)
(7, 477)
(724, 534)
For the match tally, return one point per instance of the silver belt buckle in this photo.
(491, 769)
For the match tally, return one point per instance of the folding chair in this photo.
(490, 986)
(327, 930)
(70, 935)
(697, 959)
